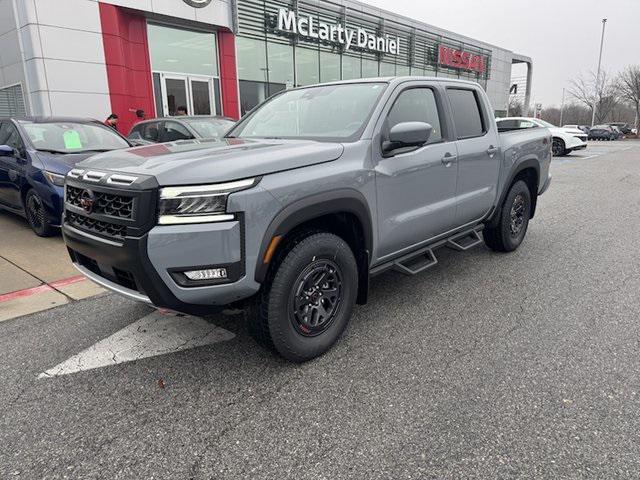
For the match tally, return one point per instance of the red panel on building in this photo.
(126, 52)
(451, 57)
(228, 74)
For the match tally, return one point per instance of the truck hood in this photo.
(212, 161)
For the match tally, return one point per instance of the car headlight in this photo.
(55, 178)
(198, 203)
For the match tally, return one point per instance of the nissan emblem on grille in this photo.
(87, 199)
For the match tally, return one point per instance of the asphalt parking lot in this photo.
(523, 365)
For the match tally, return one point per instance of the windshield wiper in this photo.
(93, 150)
(51, 150)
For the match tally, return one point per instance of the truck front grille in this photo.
(96, 226)
(112, 205)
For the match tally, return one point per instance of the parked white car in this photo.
(565, 140)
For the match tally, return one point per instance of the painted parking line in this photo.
(158, 333)
(46, 287)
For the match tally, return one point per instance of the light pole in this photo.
(562, 108)
(595, 98)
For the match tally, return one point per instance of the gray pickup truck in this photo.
(308, 196)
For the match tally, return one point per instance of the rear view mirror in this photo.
(407, 134)
(7, 151)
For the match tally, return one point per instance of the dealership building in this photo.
(93, 57)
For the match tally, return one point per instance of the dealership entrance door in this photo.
(196, 93)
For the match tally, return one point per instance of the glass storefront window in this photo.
(350, 67)
(387, 69)
(402, 70)
(329, 67)
(182, 51)
(251, 59)
(280, 63)
(369, 68)
(307, 66)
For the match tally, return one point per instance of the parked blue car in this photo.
(36, 154)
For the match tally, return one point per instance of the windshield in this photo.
(328, 112)
(210, 127)
(73, 137)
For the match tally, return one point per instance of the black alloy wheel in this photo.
(308, 297)
(37, 215)
(316, 299)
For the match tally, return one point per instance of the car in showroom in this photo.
(36, 153)
(171, 129)
(565, 140)
(602, 132)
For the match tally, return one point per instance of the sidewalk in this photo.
(35, 273)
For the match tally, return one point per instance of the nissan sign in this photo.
(197, 3)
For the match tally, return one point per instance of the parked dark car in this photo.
(623, 127)
(170, 129)
(35, 155)
(602, 132)
(618, 132)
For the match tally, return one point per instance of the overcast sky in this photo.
(561, 36)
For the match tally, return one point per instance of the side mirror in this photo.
(407, 134)
(7, 151)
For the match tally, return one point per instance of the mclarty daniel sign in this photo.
(308, 26)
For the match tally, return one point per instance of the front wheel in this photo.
(513, 221)
(307, 303)
(37, 215)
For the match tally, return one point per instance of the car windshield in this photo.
(73, 137)
(603, 127)
(210, 127)
(328, 112)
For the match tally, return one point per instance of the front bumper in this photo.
(576, 143)
(144, 268)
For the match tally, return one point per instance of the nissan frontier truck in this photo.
(308, 196)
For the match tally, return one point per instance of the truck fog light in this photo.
(207, 274)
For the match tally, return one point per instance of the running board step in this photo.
(465, 241)
(416, 262)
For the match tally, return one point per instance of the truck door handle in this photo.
(491, 151)
(448, 159)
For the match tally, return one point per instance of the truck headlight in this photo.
(198, 203)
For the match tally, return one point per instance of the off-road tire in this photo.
(37, 215)
(272, 320)
(501, 237)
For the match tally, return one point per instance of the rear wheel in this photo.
(509, 232)
(37, 215)
(558, 147)
(307, 301)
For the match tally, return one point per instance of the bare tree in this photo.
(515, 107)
(629, 84)
(602, 92)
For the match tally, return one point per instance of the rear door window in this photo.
(149, 131)
(467, 115)
(173, 131)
